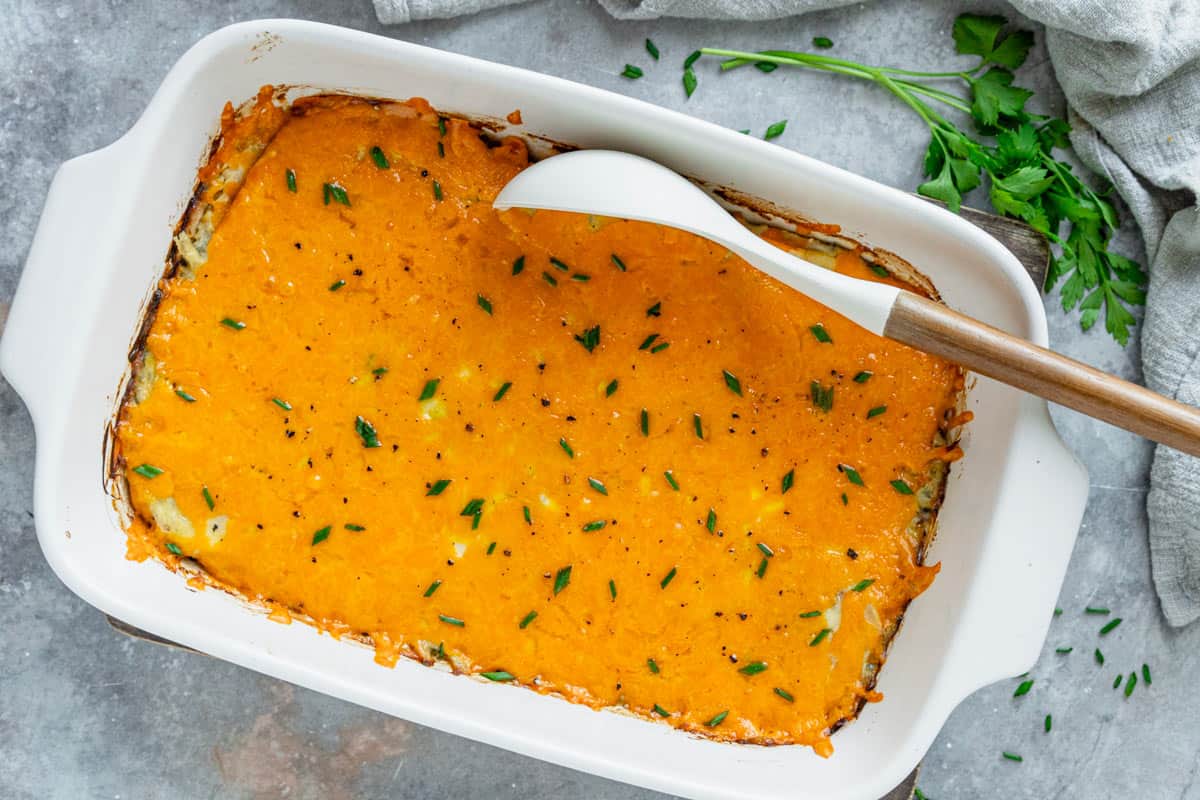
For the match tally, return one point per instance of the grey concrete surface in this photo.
(88, 713)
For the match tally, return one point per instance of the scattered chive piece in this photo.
(566, 448)
(822, 398)
(876, 411)
(1092, 610)
(631, 72)
(762, 568)
(851, 474)
(775, 129)
(473, 507)
(671, 480)
(291, 180)
(653, 665)
(1117, 680)
(1107, 628)
(350, 526)
(863, 376)
(689, 81)
(670, 576)
(809, 614)
(691, 59)
(148, 471)
(1047, 723)
(235, 324)
(662, 712)
(528, 517)
(918, 794)
(208, 501)
(484, 303)
(519, 265)
(612, 588)
(284, 404)
(862, 585)
(1130, 683)
(550, 279)
(732, 382)
(503, 390)
(745, 131)
(185, 396)
(1099, 657)
(337, 194)
(611, 389)
(823, 42)
(491, 548)
(379, 158)
(379, 372)
(765, 549)
(652, 49)
(1063, 650)
(901, 487)
(598, 486)
(562, 578)
(617, 262)
(766, 66)
(499, 676)
(441, 150)
(658, 348)
(559, 265)
(437, 191)
(475, 520)
(1146, 674)
(1058, 612)
(845, 499)
(589, 338)
(433, 587)
(441, 126)
(595, 525)
(711, 521)
(429, 390)
(717, 720)
(753, 668)
(438, 487)
(654, 310)
(333, 287)
(822, 335)
(645, 422)
(649, 340)
(452, 621)
(698, 425)
(789, 479)
(582, 277)
(1023, 689)
(1012, 756)
(174, 549)
(786, 695)
(528, 618)
(820, 637)
(322, 534)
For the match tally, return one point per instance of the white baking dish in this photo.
(1012, 507)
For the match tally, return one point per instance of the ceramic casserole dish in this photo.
(1013, 502)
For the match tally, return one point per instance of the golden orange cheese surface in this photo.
(600, 458)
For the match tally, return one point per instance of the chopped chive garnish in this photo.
(820, 637)
(528, 618)
(562, 578)
(689, 81)
(452, 621)
(174, 549)
(1130, 683)
(291, 180)
(901, 487)
(617, 262)
(775, 129)
(1146, 674)
(845, 499)
(598, 486)
(698, 425)
(863, 376)
(429, 390)
(1107, 628)
(350, 526)
(789, 479)
(658, 348)
(653, 665)
(611, 389)
(475, 520)
(822, 397)
(441, 126)
(612, 588)
(337, 194)
(566, 448)
(1047, 724)
(441, 150)
(765, 549)
(1117, 680)
(810, 614)
(379, 372)
(284, 404)
(589, 338)
(528, 516)
(631, 72)
(582, 277)
(753, 668)
(473, 507)
(1012, 756)
(379, 158)
(732, 382)
(766, 66)
(762, 568)
(438, 487)
(235, 324)
(484, 303)
(148, 471)
(670, 476)
(670, 576)
(433, 587)
(322, 534)
(333, 287)
(185, 396)
(851, 474)
(1092, 610)
(786, 695)
(503, 390)
(862, 585)
(876, 411)
(208, 499)
(366, 431)
(1063, 650)
(823, 42)
(652, 49)
(645, 422)
(822, 335)
(880, 270)
(710, 522)
(559, 265)
(499, 676)
(654, 310)
(649, 340)
(717, 720)
(1058, 612)
(691, 59)
(662, 712)
(491, 548)
(1023, 689)
(1099, 657)
(519, 265)
(595, 525)
(550, 279)
(437, 191)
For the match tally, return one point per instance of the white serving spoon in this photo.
(614, 184)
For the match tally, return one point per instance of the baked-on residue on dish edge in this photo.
(602, 459)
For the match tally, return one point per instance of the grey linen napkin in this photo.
(1131, 74)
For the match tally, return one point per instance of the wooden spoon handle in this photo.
(989, 351)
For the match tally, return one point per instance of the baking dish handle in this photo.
(47, 317)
